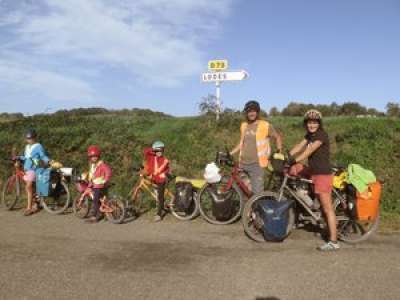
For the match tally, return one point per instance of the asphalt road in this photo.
(60, 257)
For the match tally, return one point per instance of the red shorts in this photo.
(322, 183)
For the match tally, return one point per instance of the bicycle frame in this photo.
(235, 178)
(316, 216)
(104, 207)
(146, 185)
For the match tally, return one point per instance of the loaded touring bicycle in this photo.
(292, 205)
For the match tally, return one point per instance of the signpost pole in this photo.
(218, 96)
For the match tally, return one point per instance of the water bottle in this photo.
(304, 195)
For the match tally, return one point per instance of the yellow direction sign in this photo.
(218, 65)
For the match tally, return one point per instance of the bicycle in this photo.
(303, 213)
(233, 188)
(112, 207)
(136, 205)
(14, 197)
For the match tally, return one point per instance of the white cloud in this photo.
(159, 42)
(22, 79)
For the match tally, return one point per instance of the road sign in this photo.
(224, 76)
(218, 65)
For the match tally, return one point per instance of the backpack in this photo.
(184, 196)
(274, 217)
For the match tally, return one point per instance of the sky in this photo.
(57, 54)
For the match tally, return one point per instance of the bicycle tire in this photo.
(369, 228)
(55, 209)
(117, 216)
(8, 201)
(83, 210)
(235, 189)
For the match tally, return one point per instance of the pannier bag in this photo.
(367, 203)
(274, 217)
(222, 205)
(183, 196)
(43, 181)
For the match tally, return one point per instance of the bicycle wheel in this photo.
(252, 222)
(220, 206)
(59, 200)
(349, 229)
(190, 213)
(141, 203)
(13, 195)
(82, 210)
(117, 215)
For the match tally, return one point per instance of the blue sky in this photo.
(57, 54)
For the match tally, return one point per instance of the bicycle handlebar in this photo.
(138, 169)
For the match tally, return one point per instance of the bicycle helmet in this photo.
(312, 114)
(31, 134)
(93, 151)
(252, 105)
(158, 145)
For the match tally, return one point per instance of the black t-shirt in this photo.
(319, 161)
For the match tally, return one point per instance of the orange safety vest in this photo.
(262, 140)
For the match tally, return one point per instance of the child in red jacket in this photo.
(99, 177)
(157, 167)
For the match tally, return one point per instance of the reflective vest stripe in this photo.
(159, 169)
(100, 180)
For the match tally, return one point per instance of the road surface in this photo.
(60, 257)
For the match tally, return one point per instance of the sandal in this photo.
(29, 212)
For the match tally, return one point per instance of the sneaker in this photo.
(329, 246)
(157, 218)
(92, 220)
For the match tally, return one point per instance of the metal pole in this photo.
(218, 95)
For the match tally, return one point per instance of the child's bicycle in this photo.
(306, 210)
(137, 204)
(222, 203)
(112, 207)
(14, 196)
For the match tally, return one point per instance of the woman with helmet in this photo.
(254, 146)
(315, 147)
(157, 167)
(99, 178)
(34, 157)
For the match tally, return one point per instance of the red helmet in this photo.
(93, 151)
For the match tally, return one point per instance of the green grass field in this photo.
(192, 142)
